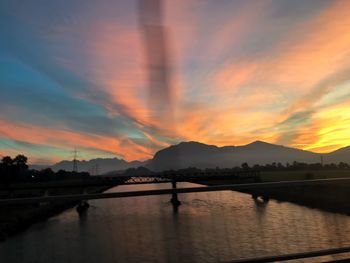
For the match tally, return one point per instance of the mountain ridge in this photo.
(201, 155)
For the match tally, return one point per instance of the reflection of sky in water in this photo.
(209, 227)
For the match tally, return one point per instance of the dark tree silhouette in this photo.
(21, 161)
(245, 166)
(7, 161)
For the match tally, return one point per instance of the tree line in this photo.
(16, 169)
(295, 166)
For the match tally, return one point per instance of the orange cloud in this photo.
(310, 62)
(316, 49)
(239, 98)
(65, 139)
(313, 51)
(334, 128)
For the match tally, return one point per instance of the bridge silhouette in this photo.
(235, 181)
(15, 193)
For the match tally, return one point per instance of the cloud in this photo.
(66, 140)
(240, 72)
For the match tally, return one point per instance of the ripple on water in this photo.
(208, 227)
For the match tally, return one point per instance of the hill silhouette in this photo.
(200, 155)
(340, 155)
(99, 165)
(203, 156)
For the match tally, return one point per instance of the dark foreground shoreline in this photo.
(15, 219)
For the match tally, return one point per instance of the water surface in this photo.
(209, 227)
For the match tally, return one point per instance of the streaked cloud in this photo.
(73, 74)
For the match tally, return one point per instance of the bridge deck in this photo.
(234, 187)
(130, 180)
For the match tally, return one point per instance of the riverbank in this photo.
(333, 197)
(15, 219)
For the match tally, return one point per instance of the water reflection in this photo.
(208, 227)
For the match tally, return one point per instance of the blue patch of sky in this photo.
(340, 93)
(41, 151)
(44, 93)
(39, 100)
(21, 147)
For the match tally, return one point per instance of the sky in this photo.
(73, 74)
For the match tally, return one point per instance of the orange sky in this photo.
(75, 75)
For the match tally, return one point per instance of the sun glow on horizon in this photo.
(75, 75)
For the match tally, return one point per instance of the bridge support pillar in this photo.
(174, 200)
(83, 205)
(255, 196)
(265, 198)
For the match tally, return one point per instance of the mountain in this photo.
(39, 166)
(340, 155)
(97, 166)
(202, 155)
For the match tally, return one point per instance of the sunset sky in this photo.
(73, 74)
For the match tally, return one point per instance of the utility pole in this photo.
(75, 161)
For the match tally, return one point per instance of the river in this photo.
(208, 227)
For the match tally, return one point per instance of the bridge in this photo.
(242, 181)
(20, 189)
